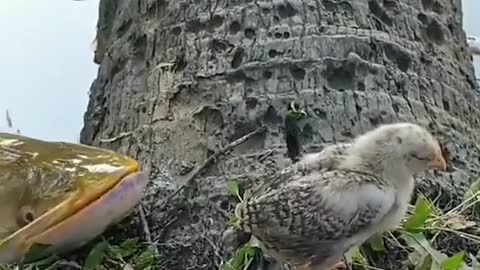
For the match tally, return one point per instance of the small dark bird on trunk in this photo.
(293, 131)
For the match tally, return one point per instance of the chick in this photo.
(327, 159)
(310, 220)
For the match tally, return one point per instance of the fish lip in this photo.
(98, 213)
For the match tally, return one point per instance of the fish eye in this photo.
(26, 215)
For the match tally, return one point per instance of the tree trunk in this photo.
(237, 64)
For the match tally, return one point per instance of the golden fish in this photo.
(60, 195)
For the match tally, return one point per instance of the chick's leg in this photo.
(341, 265)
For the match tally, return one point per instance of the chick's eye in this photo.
(416, 156)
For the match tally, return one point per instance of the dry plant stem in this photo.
(211, 160)
(9, 120)
(393, 240)
(465, 235)
(465, 204)
(368, 266)
(146, 229)
(116, 138)
(459, 208)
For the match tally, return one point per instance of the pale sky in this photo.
(46, 65)
(471, 24)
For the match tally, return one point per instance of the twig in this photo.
(67, 263)
(9, 120)
(367, 266)
(265, 155)
(214, 247)
(116, 138)
(143, 219)
(211, 160)
(146, 229)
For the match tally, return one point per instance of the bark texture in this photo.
(236, 66)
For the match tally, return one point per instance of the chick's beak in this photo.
(438, 163)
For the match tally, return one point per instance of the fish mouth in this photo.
(83, 215)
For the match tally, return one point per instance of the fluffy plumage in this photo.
(331, 201)
(325, 160)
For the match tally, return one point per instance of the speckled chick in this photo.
(327, 159)
(310, 220)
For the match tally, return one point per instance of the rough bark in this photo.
(237, 65)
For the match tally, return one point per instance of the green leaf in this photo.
(37, 251)
(297, 116)
(96, 255)
(4, 244)
(226, 266)
(376, 242)
(47, 262)
(355, 255)
(421, 245)
(426, 264)
(455, 262)
(422, 211)
(125, 249)
(233, 189)
(241, 259)
(418, 242)
(247, 263)
(146, 260)
(233, 221)
(473, 194)
(473, 190)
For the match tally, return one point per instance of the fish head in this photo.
(60, 195)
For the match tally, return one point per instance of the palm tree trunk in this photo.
(179, 80)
